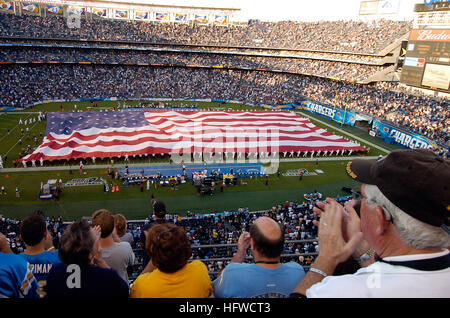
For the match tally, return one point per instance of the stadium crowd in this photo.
(11, 228)
(202, 230)
(294, 53)
(339, 36)
(393, 226)
(26, 84)
(417, 113)
(321, 68)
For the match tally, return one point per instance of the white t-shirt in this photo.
(382, 280)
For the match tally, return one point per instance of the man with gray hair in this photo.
(401, 237)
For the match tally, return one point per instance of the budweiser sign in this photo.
(430, 35)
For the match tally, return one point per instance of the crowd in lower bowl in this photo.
(394, 226)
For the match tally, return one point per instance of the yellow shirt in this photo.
(192, 281)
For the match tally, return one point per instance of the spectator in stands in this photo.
(159, 217)
(404, 218)
(170, 274)
(423, 114)
(340, 36)
(92, 278)
(120, 224)
(118, 255)
(39, 246)
(267, 277)
(16, 277)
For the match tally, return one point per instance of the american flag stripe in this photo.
(148, 137)
(210, 133)
(113, 134)
(202, 133)
(181, 143)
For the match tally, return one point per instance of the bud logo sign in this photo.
(438, 35)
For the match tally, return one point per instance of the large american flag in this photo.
(128, 133)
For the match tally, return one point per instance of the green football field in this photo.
(76, 202)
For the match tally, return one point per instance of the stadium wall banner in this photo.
(368, 7)
(345, 117)
(162, 17)
(10, 108)
(388, 6)
(336, 114)
(286, 106)
(55, 9)
(7, 5)
(121, 14)
(201, 18)
(30, 7)
(100, 12)
(220, 19)
(398, 136)
(76, 10)
(142, 15)
(180, 17)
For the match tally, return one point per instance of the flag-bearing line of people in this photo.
(392, 240)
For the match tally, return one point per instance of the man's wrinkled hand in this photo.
(332, 243)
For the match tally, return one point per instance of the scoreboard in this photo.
(427, 61)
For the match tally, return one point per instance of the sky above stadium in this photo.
(297, 10)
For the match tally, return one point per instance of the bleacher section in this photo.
(213, 236)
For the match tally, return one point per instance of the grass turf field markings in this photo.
(14, 129)
(29, 131)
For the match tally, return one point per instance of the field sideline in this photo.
(76, 202)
